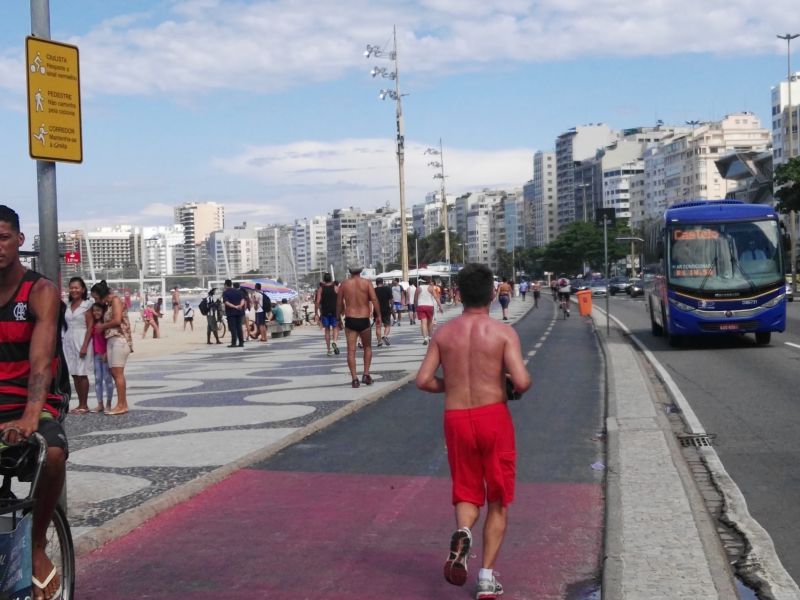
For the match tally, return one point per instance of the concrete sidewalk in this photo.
(660, 539)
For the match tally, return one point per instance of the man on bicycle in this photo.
(564, 290)
(34, 385)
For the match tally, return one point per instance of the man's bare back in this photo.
(356, 294)
(475, 352)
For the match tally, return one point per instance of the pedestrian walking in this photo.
(213, 313)
(537, 292)
(477, 356)
(411, 294)
(398, 302)
(325, 311)
(504, 291)
(425, 300)
(258, 300)
(385, 308)
(355, 302)
(188, 316)
(523, 289)
(77, 339)
(103, 382)
(234, 304)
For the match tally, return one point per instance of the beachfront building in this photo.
(199, 220)
(310, 245)
(234, 251)
(342, 238)
(543, 196)
(573, 146)
(276, 257)
(780, 119)
(683, 166)
(429, 216)
(163, 250)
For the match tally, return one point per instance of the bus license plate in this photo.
(729, 327)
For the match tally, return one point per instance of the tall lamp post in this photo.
(375, 51)
(641, 262)
(439, 164)
(792, 214)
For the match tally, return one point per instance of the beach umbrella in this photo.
(274, 289)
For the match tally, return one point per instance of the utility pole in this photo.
(46, 173)
(792, 213)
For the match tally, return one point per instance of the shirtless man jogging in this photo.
(476, 354)
(31, 391)
(355, 302)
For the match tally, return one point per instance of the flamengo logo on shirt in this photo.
(20, 311)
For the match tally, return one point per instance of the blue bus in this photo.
(720, 271)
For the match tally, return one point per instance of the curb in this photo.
(133, 518)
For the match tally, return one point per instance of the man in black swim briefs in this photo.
(356, 301)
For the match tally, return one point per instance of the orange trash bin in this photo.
(584, 302)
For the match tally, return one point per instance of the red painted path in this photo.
(284, 535)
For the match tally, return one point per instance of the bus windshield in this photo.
(725, 256)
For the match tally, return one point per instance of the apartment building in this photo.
(163, 250)
(575, 145)
(780, 119)
(544, 194)
(342, 238)
(114, 247)
(310, 245)
(234, 251)
(276, 256)
(199, 220)
(429, 216)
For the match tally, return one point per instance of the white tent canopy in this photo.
(412, 273)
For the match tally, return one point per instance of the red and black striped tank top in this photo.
(16, 328)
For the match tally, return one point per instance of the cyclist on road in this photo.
(564, 290)
(34, 384)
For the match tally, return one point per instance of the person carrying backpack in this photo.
(211, 313)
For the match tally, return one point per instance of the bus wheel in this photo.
(655, 328)
(763, 337)
(673, 340)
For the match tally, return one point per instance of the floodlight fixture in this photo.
(384, 93)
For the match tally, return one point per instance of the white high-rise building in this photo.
(234, 251)
(199, 220)
(310, 245)
(544, 193)
(163, 250)
(113, 247)
(276, 257)
(429, 217)
(780, 119)
(342, 238)
(572, 146)
(481, 234)
(688, 161)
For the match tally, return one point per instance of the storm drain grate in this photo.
(697, 440)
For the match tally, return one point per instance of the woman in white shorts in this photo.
(117, 328)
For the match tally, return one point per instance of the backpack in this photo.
(266, 304)
(203, 306)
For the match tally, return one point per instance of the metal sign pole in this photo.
(605, 247)
(46, 172)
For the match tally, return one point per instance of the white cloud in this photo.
(266, 46)
(312, 177)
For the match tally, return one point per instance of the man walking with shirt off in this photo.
(477, 354)
(356, 302)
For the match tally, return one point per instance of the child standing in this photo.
(103, 383)
(188, 316)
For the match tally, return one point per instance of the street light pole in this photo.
(792, 214)
(400, 141)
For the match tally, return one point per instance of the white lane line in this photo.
(525, 361)
(538, 345)
(532, 353)
(792, 345)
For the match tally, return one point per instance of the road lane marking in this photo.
(539, 345)
(792, 345)
(532, 353)
(526, 361)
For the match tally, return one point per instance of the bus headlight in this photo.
(681, 305)
(774, 302)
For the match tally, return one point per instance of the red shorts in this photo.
(481, 453)
(425, 312)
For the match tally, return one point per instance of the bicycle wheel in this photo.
(61, 553)
(221, 329)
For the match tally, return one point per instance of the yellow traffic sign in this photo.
(54, 101)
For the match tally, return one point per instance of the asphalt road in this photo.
(748, 396)
(362, 508)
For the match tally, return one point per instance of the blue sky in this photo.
(268, 106)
